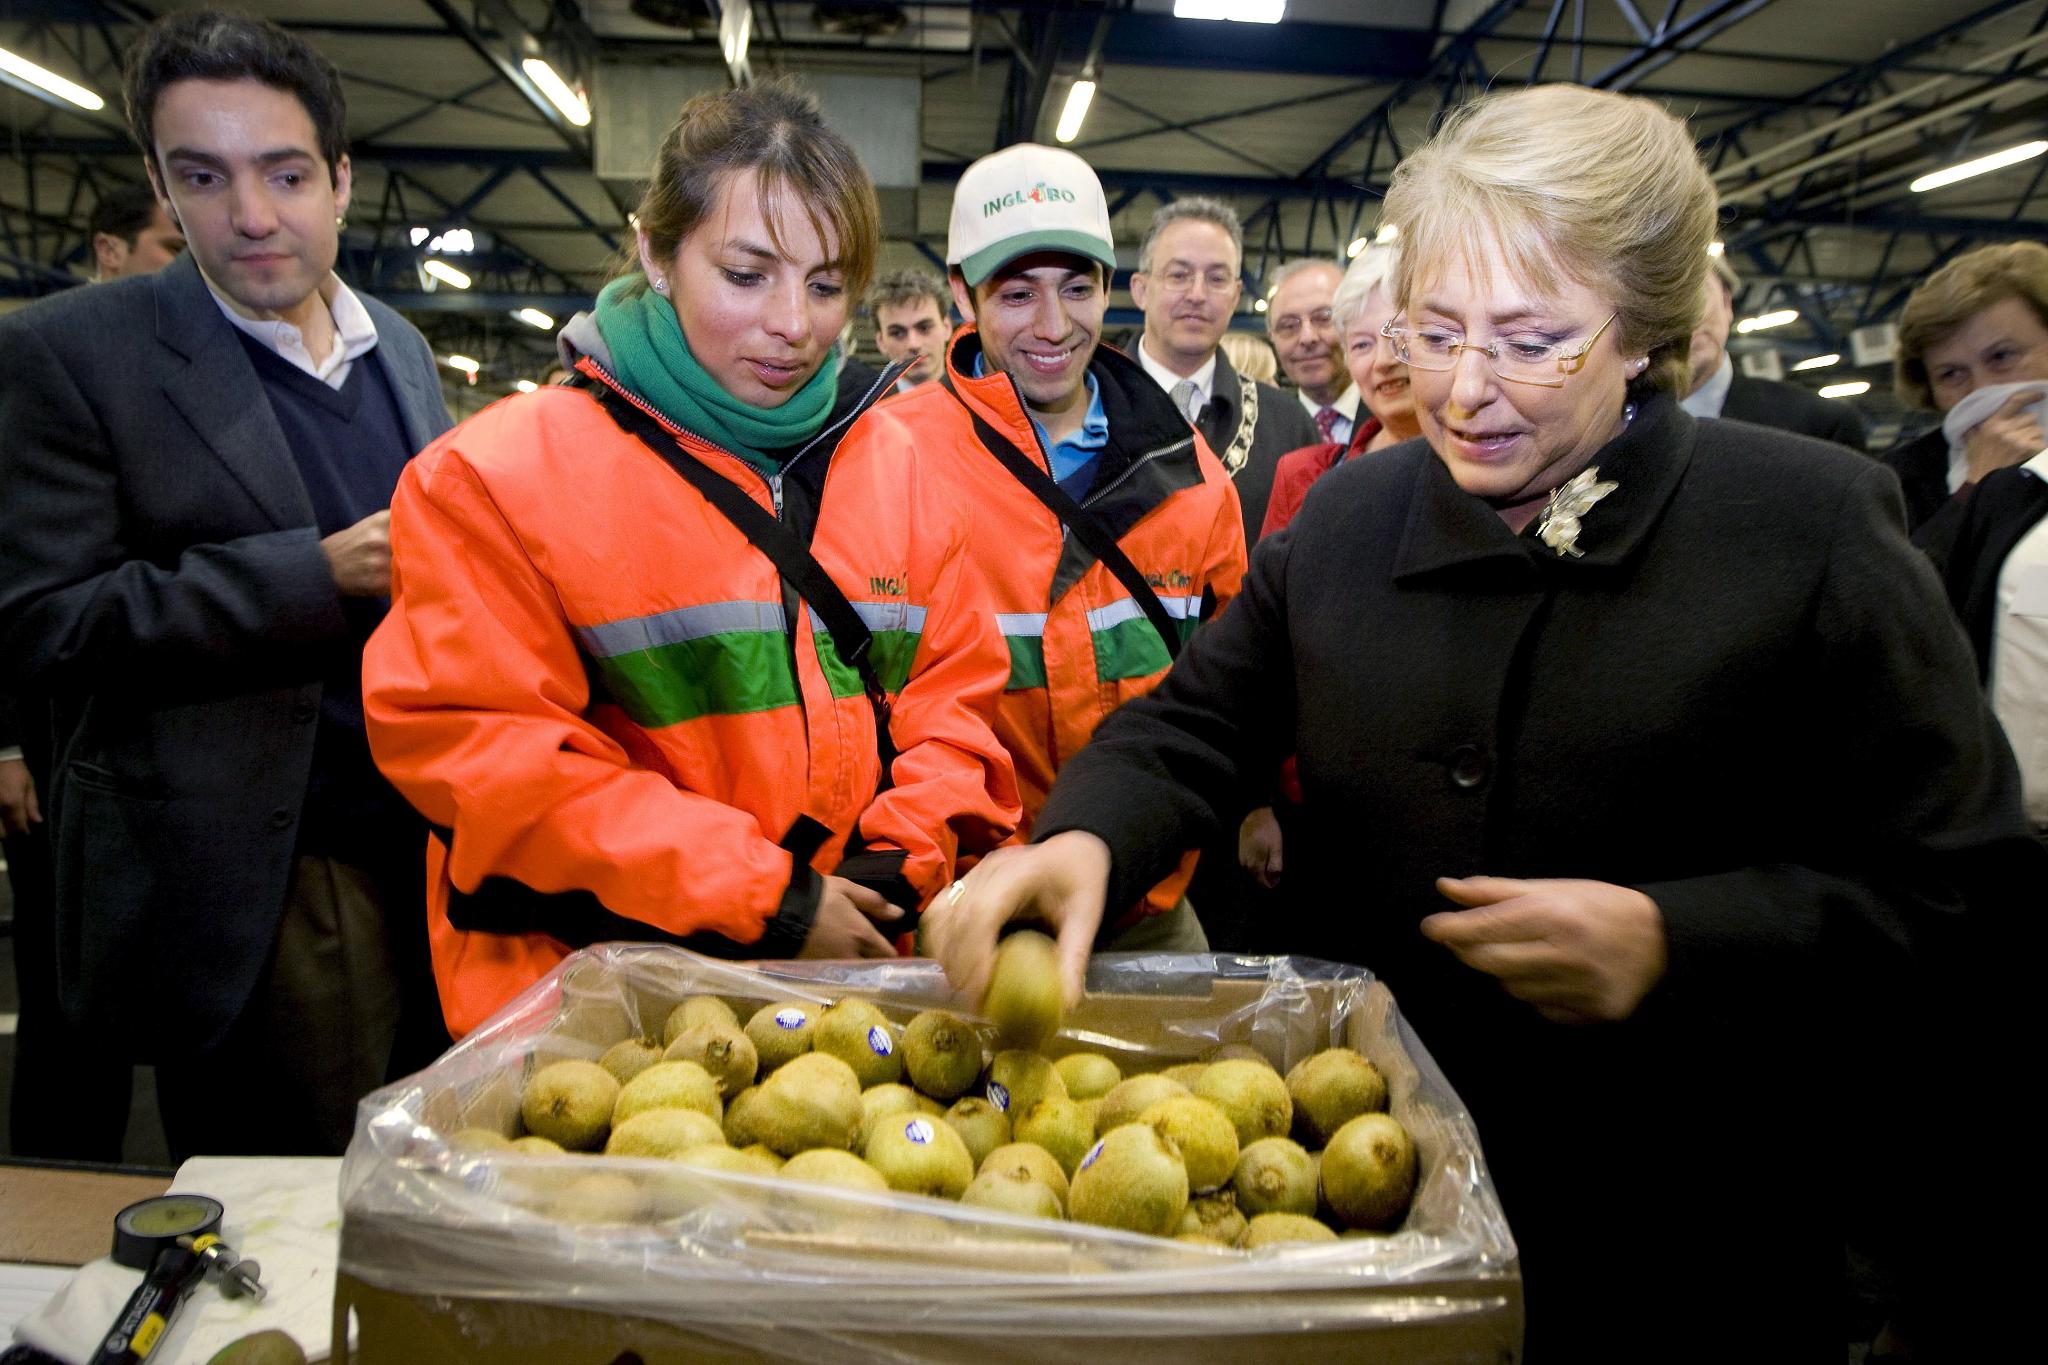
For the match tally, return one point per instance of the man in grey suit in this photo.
(1187, 283)
(193, 548)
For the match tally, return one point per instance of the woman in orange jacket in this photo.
(622, 719)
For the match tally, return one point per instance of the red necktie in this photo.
(1326, 421)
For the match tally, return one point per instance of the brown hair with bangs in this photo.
(1954, 294)
(773, 129)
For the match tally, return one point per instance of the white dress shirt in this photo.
(1709, 398)
(1347, 412)
(1203, 379)
(2019, 657)
(354, 334)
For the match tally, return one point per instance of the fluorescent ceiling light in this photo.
(1764, 320)
(533, 317)
(1997, 161)
(1849, 390)
(1258, 305)
(573, 106)
(1238, 11)
(463, 363)
(21, 68)
(454, 242)
(1716, 247)
(1819, 362)
(446, 273)
(524, 385)
(1078, 100)
(1358, 244)
(420, 234)
(1387, 233)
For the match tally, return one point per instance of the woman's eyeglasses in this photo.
(1520, 362)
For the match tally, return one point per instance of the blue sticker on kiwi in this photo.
(878, 1040)
(998, 1096)
(1089, 1160)
(790, 1018)
(918, 1131)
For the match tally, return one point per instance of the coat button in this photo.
(280, 819)
(1468, 765)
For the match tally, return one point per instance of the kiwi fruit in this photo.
(1332, 1088)
(1273, 1229)
(669, 1085)
(1252, 1094)
(1201, 1133)
(1186, 1073)
(1060, 1127)
(479, 1140)
(716, 1156)
(1129, 1098)
(1017, 1080)
(1213, 1217)
(533, 1145)
(918, 1154)
(1238, 1052)
(1093, 1110)
(1130, 1179)
(761, 1151)
(570, 1103)
(629, 1058)
(981, 1125)
(599, 1197)
(269, 1347)
(696, 1010)
(859, 1034)
(781, 1031)
(880, 1101)
(829, 1166)
(1274, 1175)
(810, 1101)
(1031, 1160)
(941, 1054)
(1087, 1075)
(726, 1054)
(1011, 1191)
(738, 1128)
(1369, 1172)
(1025, 999)
(662, 1132)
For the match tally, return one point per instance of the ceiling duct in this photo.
(858, 21)
(691, 16)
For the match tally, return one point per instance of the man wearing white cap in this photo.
(1106, 528)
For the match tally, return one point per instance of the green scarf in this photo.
(651, 358)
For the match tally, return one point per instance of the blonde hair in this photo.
(1372, 271)
(1250, 356)
(775, 130)
(1958, 292)
(1604, 189)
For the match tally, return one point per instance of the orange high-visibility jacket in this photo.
(593, 685)
(1079, 646)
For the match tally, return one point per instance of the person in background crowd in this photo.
(131, 234)
(910, 308)
(193, 548)
(1298, 319)
(1616, 767)
(1716, 390)
(1979, 325)
(1251, 356)
(652, 736)
(1187, 284)
(70, 1100)
(1027, 381)
(1973, 343)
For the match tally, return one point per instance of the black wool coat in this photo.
(1748, 699)
(1791, 407)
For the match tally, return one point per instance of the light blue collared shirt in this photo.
(1073, 458)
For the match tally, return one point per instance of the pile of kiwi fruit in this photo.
(1224, 1151)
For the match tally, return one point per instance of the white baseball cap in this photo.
(1022, 199)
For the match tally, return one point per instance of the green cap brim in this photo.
(990, 259)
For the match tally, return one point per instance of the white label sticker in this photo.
(791, 1018)
(998, 1096)
(1089, 1160)
(879, 1040)
(918, 1131)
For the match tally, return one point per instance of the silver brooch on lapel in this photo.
(1559, 526)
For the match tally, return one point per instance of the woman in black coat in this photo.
(1641, 756)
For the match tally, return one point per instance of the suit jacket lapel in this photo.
(421, 409)
(218, 392)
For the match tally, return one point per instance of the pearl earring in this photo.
(661, 286)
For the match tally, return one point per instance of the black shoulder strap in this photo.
(851, 638)
(1092, 533)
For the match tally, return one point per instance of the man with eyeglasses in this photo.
(1187, 283)
(1305, 338)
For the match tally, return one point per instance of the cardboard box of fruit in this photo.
(686, 1159)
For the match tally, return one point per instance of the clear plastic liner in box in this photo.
(815, 1272)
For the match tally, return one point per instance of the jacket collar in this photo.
(1448, 526)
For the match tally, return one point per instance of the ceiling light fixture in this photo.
(1819, 362)
(574, 107)
(1358, 244)
(1849, 390)
(1258, 305)
(524, 385)
(1078, 99)
(1997, 161)
(24, 70)
(1766, 320)
(533, 317)
(1388, 232)
(1716, 247)
(420, 234)
(1234, 11)
(466, 364)
(446, 273)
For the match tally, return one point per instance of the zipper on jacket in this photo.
(1102, 491)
